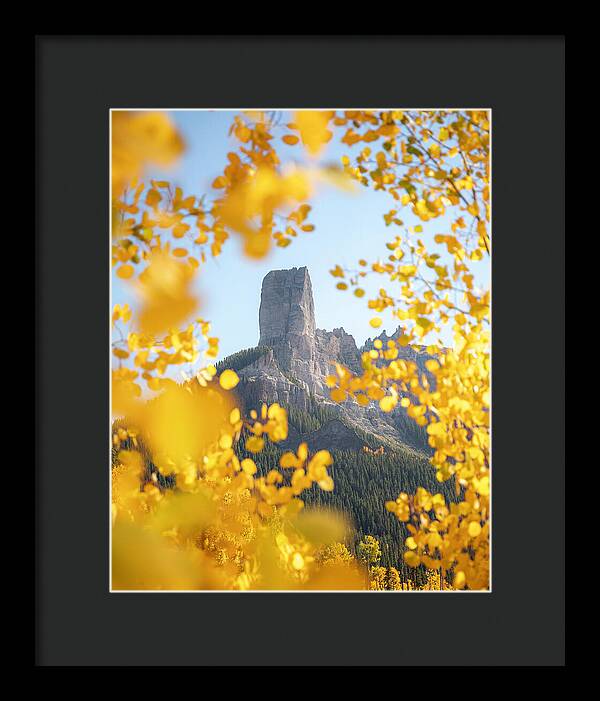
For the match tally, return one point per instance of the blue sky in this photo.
(349, 226)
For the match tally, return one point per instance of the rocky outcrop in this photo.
(416, 354)
(301, 353)
(337, 346)
(286, 306)
(298, 357)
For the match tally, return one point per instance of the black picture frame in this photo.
(78, 622)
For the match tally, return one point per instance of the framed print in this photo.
(283, 338)
(227, 449)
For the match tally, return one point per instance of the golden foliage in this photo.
(432, 162)
(139, 139)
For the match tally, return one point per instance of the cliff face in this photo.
(296, 359)
(286, 306)
(301, 352)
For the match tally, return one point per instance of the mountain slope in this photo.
(292, 360)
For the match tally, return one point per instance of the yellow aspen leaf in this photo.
(164, 287)
(228, 379)
(139, 139)
(477, 454)
(474, 529)
(248, 466)
(180, 229)
(220, 182)
(290, 139)
(274, 477)
(338, 395)
(289, 460)
(255, 444)
(153, 197)
(411, 558)
(436, 428)
(326, 484)
(243, 133)
(312, 125)
(434, 540)
(180, 252)
(376, 393)
(303, 451)
(483, 486)
(387, 403)
(225, 441)
(459, 580)
(407, 270)
(125, 271)
(376, 322)
(126, 313)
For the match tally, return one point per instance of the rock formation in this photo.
(293, 358)
(286, 306)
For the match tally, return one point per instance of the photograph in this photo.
(300, 350)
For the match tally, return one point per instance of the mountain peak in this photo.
(295, 359)
(286, 305)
